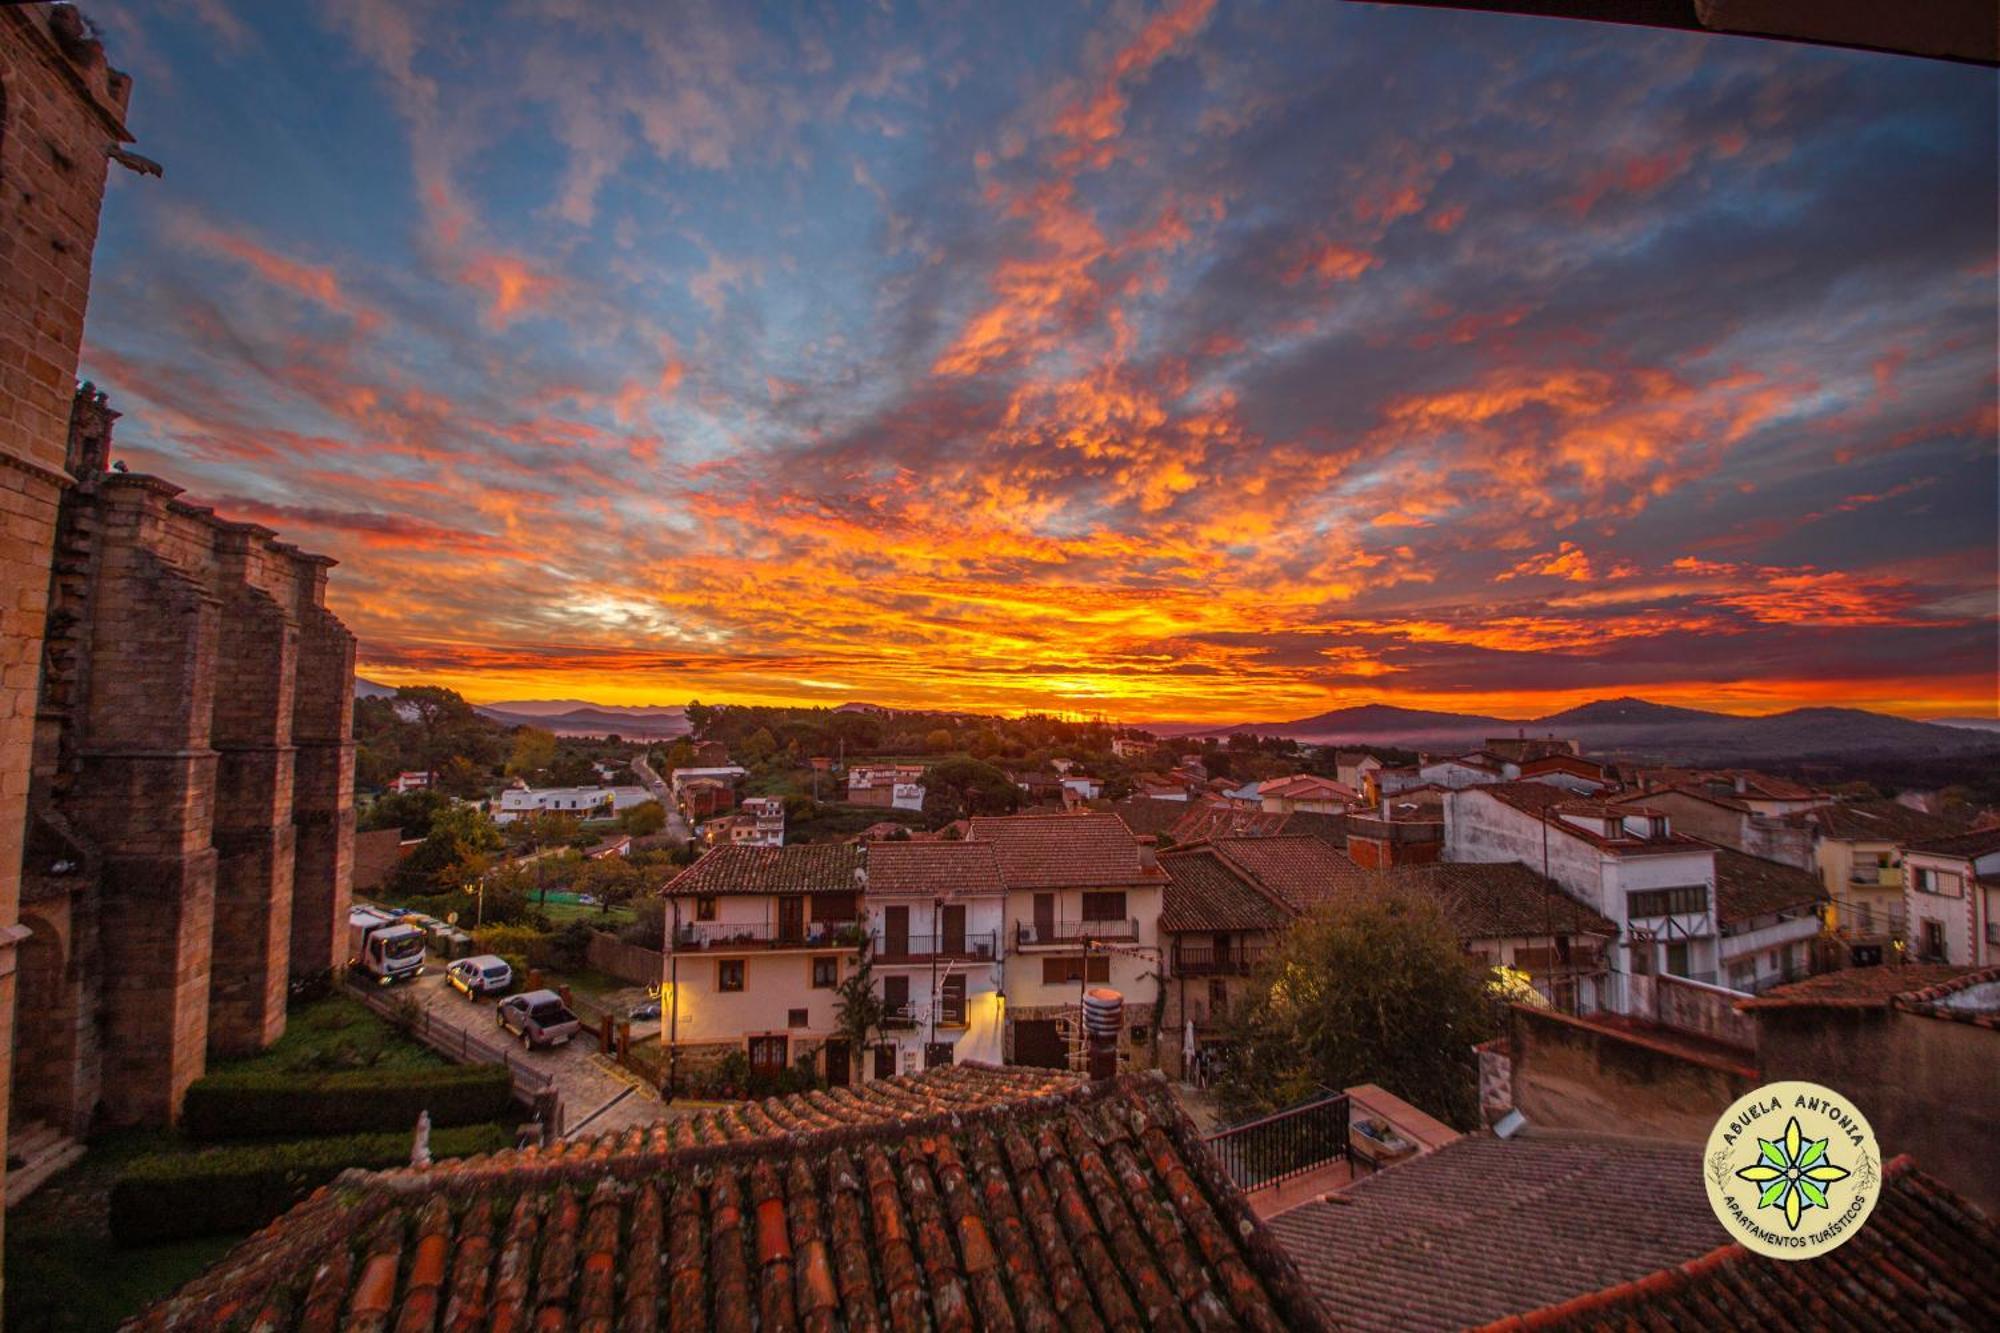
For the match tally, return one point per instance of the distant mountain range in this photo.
(1638, 729)
(568, 717)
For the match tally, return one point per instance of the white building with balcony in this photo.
(1625, 861)
(1082, 909)
(1951, 894)
(759, 940)
(936, 914)
(580, 802)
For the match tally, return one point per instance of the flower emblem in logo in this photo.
(1794, 1173)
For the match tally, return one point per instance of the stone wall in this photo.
(1572, 1074)
(191, 743)
(1930, 1086)
(62, 107)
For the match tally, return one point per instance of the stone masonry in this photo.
(192, 810)
(62, 112)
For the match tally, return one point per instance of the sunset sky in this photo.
(1183, 361)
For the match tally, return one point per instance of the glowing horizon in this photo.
(1188, 362)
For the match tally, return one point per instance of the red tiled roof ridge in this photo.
(1666, 1279)
(1819, 991)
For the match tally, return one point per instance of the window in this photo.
(767, 1054)
(704, 909)
(797, 1018)
(729, 974)
(1069, 971)
(835, 908)
(1104, 907)
(825, 973)
(1940, 882)
(1691, 900)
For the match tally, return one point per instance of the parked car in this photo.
(586, 900)
(539, 1018)
(485, 974)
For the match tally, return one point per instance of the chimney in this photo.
(1103, 1020)
(1149, 851)
(1742, 784)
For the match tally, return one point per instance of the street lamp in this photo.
(478, 888)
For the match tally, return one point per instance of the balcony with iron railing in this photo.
(1205, 960)
(967, 946)
(1294, 1142)
(1876, 877)
(714, 936)
(1030, 934)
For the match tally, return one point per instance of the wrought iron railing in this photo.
(1205, 960)
(1292, 1142)
(976, 945)
(725, 935)
(1068, 932)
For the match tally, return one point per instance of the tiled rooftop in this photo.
(1861, 987)
(1483, 1228)
(1747, 887)
(1875, 821)
(1204, 894)
(808, 868)
(1301, 871)
(1980, 842)
(1550, 803)
(1147, 814)
(1503, 900)
(933, 869)
(1924, 1259)
(1064, 851)
(1096, 1207)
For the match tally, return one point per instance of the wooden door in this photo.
(792, 917)
(953, 926)
(839, 1064)
(1045, 918)
(896, 932)
(885, 1061)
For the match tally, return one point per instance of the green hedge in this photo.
(258, 1104)
(171, 1196)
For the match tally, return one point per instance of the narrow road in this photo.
(677, 826)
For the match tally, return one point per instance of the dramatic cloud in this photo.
(1174, 359)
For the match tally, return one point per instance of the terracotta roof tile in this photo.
(1147, 814)
(808, 868)
(1483, 1228)
(933, 869)
(1979, 842)
(1747, 887)
(1095, 1206)
(1503, 900)
(1063, 851)
(1550, 803)
(1925, 1259)
(1301, 871)
(1874, 821)
(1205, 894)
(1864, 987)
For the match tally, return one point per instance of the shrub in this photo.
(569, 950)
(169, 1196)
(259, 1104)
(509, 941)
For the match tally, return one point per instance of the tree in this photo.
(1372, 988)
(857, 1008)
(938, 741)
(761, 746)
(410, 811)
(460, 777)
(458, 851)
(959, 788)
(643, 820)
(534, 750)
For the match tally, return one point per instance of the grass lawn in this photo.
(564, 913)
(65, 1274)
(586, 980)
(338, 1033)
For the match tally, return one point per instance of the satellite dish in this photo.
(451, 918)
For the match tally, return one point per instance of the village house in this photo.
(1760, 793)
(1216, 926)
(1567, 771)
(705, 798)
(1133, 747)
(1768, 915)
(1351, 768)
(766, 822)
(1625, 861)
(1404, 829)
(1508, 915)
(1716, 813)
(1857, 851)
(724, 773)
(1082, 910)
(1083, 786)
(1951, 897)
(1460, 771)
(523, 802)
(1307, 792)
(411, 780)
(936, 915)
(1206, 821)
(1523, 748)
(758, 941)
(895, 786)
